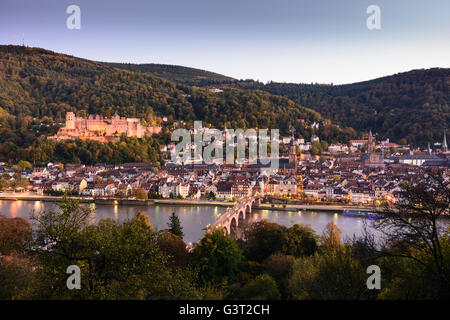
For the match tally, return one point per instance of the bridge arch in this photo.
(241, 216)
(233, 226)
(235, 216)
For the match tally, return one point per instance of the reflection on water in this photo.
(116, 212)
(193, 219)
(317, 220)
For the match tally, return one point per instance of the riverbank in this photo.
(113, 201)
(311, 207)
(178, 202)
(30, 197)
(193, 218)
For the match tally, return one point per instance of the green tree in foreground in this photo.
(263, 287)
(334, 275)
(263, 238)
(301, 241)
(174, 248)
(217, 256)
(280, 267)
(175, 226)
(117, 261)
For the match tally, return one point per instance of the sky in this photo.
(323, 41)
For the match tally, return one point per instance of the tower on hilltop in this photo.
(444, 143)
(70, 120)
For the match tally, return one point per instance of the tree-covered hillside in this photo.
(410, 107)
(38, 87)
(178, 74)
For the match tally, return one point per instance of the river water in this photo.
(193, 218)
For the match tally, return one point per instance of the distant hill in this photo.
(413, 106)
(38, 87)
(178, 74)
(410, 107)
(41, 83)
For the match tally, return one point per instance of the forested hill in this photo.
(410, 107)
(178, 74)
(41, 83)
(38, 87)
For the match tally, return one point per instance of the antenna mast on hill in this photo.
(23, 39)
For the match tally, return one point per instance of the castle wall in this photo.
(94, 127)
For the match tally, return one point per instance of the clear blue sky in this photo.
(281, 40)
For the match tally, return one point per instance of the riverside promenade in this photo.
(30, 196)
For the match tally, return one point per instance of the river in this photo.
(193, 218)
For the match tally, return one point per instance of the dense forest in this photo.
(38, 87)
(40, 83)
(410, 107)
(178, 74)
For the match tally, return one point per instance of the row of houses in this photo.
(338, 178)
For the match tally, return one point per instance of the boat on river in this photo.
(361, 214)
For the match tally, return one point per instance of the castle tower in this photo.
(70, 120)
(444, 144)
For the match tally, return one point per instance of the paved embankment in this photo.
(179, 202)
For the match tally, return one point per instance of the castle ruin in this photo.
(95, 127)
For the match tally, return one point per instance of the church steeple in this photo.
(292, 149)
(370, 146)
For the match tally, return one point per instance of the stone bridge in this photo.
(234, 216)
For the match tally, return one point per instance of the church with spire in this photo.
(293, 150)
(372, 159)
(289, 166)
